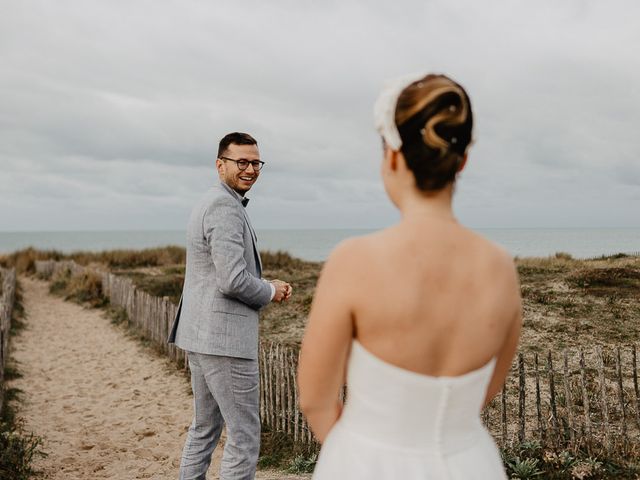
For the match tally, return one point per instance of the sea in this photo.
(316, 244)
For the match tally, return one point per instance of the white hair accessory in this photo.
(384, 110)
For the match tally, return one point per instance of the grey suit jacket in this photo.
(223, 291)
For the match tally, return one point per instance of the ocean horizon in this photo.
(316, 244)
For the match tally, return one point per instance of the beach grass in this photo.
(18, 448)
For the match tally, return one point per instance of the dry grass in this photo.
(84, 289)
(573, 303)
(122, 259)
(159, 282)
(24, 260)
(567, 302)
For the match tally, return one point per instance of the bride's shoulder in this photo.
(491, 257)
(350, 248)
(351, 252)
(490, 250)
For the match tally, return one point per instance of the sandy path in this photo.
(105, 406)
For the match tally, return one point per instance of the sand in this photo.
(105, 406)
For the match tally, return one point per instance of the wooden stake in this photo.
(585, 395)
(541, 429)
(635, 384)
(623, 408)
(521, 399)
(567, 397)
(603, 399)
(552, 396)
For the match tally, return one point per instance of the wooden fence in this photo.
(572, 399)
(7, 298)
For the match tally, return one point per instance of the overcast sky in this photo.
(111, 111)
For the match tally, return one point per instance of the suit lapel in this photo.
(253, 233)
(254, 237)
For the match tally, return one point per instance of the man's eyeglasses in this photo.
(244, 164)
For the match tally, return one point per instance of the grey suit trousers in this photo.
(225, 391)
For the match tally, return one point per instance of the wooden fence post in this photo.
(567, 397)
(585, 394)
(541, 428)
(635, 384)
(552, 396)
(623, 408)
(603, 399)
(503, 412)
(296, 405)
(521, 399)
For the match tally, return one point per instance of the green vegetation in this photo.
(530, 460)
(17, 447)
(277, 450)
(117, 315)
(303, 463)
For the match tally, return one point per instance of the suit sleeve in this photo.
(224, 230)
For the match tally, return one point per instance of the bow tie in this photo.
(244, 202)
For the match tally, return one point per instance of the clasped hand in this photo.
(283, 291)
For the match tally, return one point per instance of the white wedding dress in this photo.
(397, 424)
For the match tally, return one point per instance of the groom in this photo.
(217, 320)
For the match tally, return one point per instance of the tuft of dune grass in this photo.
(24, 260)
(85, 288)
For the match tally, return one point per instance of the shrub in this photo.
(24, 260)
(303, 463)
(604, 281)
(150, 257)
(523, 469)
(281, 261)
(86, 288)
(60, 281)
(17, 449)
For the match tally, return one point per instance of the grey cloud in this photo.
(122, 106)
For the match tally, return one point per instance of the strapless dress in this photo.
(401, 425)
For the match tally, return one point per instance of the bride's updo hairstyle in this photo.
(433, 116)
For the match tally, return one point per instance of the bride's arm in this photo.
(327, 341)
(510, 344)
(505, 358)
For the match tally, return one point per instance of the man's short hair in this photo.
(235, 138)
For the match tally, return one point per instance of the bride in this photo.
(420, 320)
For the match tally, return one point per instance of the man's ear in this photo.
(218, 164)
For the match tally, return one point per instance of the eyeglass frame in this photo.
(253, 163)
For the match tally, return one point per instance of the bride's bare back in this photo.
(431, 296)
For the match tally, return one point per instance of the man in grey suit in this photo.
(217, 320)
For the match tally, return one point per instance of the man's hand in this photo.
(283, 291)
